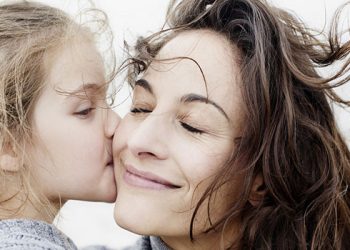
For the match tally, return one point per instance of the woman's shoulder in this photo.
(23, 234)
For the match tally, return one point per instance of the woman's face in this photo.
(174, 139)
(73, 133)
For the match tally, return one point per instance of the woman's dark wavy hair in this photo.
(290, 136)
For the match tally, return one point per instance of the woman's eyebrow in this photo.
(144, 84)
(198, 98)
(186, 98)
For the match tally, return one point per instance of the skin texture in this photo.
(72, 133)
(168, 137)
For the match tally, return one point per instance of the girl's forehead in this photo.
(73, 64)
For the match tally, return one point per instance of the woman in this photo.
(231, 142)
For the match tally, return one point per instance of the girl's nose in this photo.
(112, 122)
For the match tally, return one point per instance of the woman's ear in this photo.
(258, 191)
(8, 163)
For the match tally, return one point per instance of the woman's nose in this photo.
(149, 139)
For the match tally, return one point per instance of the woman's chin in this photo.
(130, 223)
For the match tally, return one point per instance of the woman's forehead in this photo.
(197, 62)
(201, 53)
(208, 51)
(200, 44)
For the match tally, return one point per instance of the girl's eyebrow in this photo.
(186, 98)
(86, 88)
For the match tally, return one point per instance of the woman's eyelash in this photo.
(140, 110)
(191, 129)
(183, 124)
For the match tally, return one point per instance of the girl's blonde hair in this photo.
(28, 31)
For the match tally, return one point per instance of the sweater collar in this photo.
(157, 243)
(36, 228)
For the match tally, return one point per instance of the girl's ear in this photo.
(9, 161)
(258, 191)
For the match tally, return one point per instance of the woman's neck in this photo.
(206, 241)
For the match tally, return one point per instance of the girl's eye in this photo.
(85, 112)
(140, 110)
(191, 129)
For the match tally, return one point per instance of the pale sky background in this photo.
(92, 223)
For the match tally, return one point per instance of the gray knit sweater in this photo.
(20, 234)
(148, 243)
(144, 243)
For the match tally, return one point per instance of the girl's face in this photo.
(73, 127)
(174, 139)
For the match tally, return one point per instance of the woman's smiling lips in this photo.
(147, 180)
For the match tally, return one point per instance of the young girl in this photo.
(231, 142)
(56, 127)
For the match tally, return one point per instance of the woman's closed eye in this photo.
(191, 128)
(136, 110)
(185, 125)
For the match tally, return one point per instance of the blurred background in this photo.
(89, 223)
